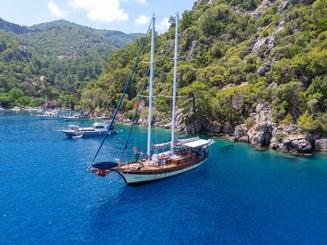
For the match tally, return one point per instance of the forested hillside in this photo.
(54, 59)
(234, 55)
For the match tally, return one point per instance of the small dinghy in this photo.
(103, 168)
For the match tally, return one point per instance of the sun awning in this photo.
(183, 141)
(197, 143)
(161, 146)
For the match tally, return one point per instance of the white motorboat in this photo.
(48, 115)
(15, 109)
(96, 129)
(70, 117)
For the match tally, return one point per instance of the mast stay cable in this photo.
(124, 93)
(135, 119)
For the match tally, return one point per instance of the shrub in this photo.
(318, 90)
(249, 122)
(4, 100)
(322, 120)
(307, 122)
(288, 119)
(214, 20)
(289, 100)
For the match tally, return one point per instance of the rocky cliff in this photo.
(266, 134)
(252, 70)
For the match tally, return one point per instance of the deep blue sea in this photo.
(239, 196)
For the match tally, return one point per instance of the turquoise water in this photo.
(239, 196)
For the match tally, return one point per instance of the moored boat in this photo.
(70, 115)
(48, 115)
(190, 155)
(162, 160)
(15, 109)
(97, 129)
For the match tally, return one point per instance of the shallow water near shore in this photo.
(239, 196)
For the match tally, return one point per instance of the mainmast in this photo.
(148, 154)
(173, 137)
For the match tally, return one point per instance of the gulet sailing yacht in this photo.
(170, 158)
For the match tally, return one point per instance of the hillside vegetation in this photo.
(234, 54)
(54, 59)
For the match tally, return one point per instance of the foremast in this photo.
(173, 121)
(148, 154)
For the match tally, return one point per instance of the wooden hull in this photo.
(137, 178)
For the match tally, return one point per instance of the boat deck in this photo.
(150, 167)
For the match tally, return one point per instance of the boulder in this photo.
(260, 134)
(263, 113)
(298, 144)
(262, 70)
(240, 133)
(244, 139)
(321, 145)
(227, 128)
(215, 127)
(263, 46)
(164, 123)
(283, 5)
(126, 120)
(142, 122)
(289, 138)
(237, 102)
(273, 85)
(181, 119)
(279, 26)
(168, 126)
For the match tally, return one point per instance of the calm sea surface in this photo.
(239, 196)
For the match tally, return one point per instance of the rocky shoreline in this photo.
(262, 134)
(287, 138)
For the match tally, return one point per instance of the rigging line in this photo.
(134, 119)
(125, 91)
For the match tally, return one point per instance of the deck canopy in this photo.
(161, 146)
(197, 143)
(194, 142)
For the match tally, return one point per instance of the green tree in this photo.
(214, 20)
(320, 14)
(4, 100)
(289, 100)
(14, 94)
(307, 122)
(318, 90)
